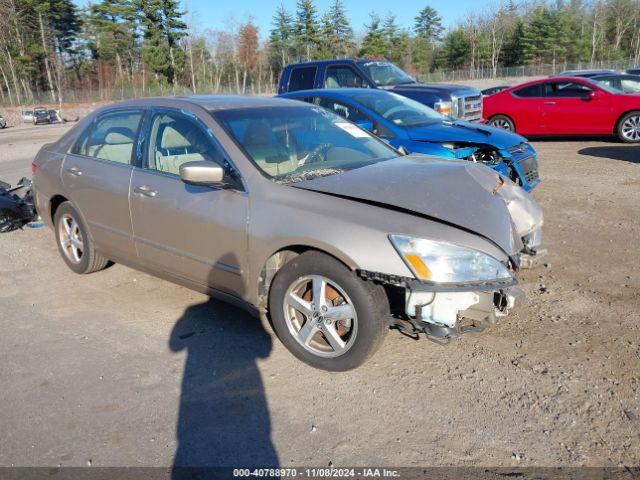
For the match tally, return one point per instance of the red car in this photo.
(565, 106)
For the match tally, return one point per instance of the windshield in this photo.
(293, 144)
(401, 111)
(385, 73)
(606, 85)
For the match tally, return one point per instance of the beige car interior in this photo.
(177, 142)
(271, 158)
(117, 146)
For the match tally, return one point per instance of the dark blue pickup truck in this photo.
(457, 101)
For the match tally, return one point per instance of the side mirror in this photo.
(366, 124)
(592, 95)
(202, 173)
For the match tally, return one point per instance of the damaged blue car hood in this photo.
(460, 131)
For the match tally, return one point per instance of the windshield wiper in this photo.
(296, 177)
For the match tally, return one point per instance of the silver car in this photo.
(290, 211)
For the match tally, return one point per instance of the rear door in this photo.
(193, 232)
(96, 175)
(571, 110)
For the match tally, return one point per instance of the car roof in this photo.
(569, 73)
(322, 62)
(616, 75)
(547, 80)
(213, 102)
(336, 92)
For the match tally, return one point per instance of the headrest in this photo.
(258, 134)
(173, 138)
(119, 135)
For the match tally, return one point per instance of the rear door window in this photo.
(112, 138)
(349, 112)
(302, 78)
(630, 86)
(343, 77)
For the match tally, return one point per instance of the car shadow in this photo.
(223, 417)
(573, 138)
(625, 153)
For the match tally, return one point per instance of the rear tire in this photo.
(74, 244)
(337, 330)
(503, 122)
(628, 128)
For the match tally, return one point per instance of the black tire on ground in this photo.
(628, 127)
(90, 261)
(503, 122)
(368, 298)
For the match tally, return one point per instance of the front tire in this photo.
(325, 315)
(503, 122)
(74, 244)
(628, 128)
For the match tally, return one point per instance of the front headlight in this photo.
(445, 262)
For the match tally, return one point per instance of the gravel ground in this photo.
(121, 369)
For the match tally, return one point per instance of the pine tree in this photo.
(428, 25)
(374, 43)
(337, 31)
(281, 37)
(306, 31)
(163, 28)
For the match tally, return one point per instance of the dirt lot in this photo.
(119, 368)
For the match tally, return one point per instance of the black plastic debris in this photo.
(17, 207)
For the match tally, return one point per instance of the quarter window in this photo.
(176, 139)
(343, 77)
(529, 92)
(302, 78)
(112, 137)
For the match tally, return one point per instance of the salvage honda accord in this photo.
(288, 210)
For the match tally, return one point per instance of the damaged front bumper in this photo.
(443, 312)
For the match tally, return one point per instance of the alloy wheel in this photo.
(70, 238)
(631, 128)
(320, 316)
(501, 123)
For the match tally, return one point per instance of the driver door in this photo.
(197, 233)
(570, 110)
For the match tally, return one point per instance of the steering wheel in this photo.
(318, 154)
(393, 113)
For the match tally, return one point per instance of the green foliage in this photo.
(337, 34)
(306, 30)
(281, 38)
(428, 25)
(375, 42)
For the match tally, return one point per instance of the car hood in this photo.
(464, 132)
(454, 192)
(443, 88)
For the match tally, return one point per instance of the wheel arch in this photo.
(621, 116)
(54, 203)
(282, 256)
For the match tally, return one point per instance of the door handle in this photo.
(75, 171)
(549, 103)
(145, 190)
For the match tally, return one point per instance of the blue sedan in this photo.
(405, 123)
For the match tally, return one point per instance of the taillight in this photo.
(34, 167)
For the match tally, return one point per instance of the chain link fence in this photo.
(488, 73)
